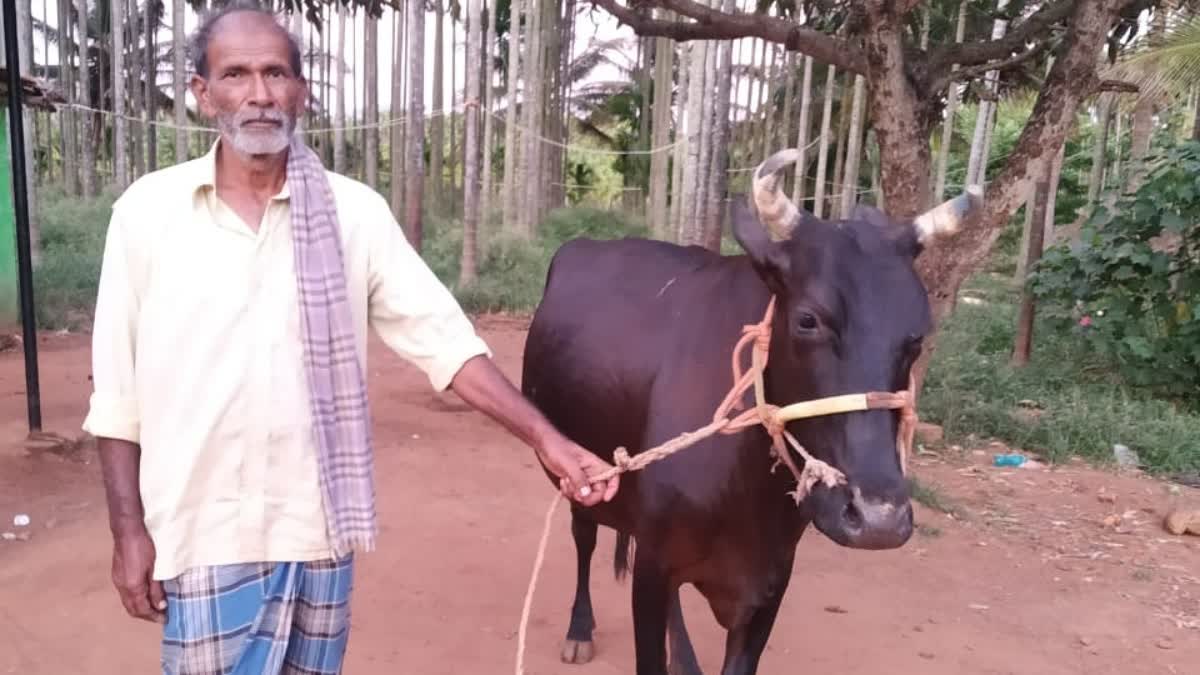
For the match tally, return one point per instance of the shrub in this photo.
(1130, 286)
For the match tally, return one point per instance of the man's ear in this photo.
(769, 259)
(199, 87)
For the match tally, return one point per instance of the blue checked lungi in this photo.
(258, 619)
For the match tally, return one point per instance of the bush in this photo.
(1067, 401)
(68, 273)
(1128, 294)
(512, 270)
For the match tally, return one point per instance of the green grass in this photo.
(1067, 401)
(68, 271)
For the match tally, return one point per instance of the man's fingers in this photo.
(158, 600)
(611, 488)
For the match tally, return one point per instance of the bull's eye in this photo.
(806, 321)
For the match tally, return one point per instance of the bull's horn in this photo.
(775, 210)
(947, 217)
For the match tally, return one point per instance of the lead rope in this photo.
(773, 420)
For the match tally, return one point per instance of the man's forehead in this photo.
(248, 33)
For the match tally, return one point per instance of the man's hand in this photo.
(132, 568)
(576, 468)
(133, 550)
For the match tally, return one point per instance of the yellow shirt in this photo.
(197, 356)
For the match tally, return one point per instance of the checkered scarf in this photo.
(337, 387)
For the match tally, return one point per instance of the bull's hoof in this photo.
(574, 651)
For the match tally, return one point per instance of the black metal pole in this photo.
(16, 125)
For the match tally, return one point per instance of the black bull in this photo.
(631, 346)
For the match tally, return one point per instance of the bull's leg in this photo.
(651, 603)
(578, 647)
(744, 644)
(683, 657)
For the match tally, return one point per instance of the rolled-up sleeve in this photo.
(412, 311)
(113, 407)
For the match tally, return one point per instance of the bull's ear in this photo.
(770, 260)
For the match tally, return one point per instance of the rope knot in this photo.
(621, 460)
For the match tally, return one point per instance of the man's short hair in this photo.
(198, 46)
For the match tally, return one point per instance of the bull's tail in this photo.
(621, 555)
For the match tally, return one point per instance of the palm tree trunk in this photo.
(823, 150)
(371, 98)
(664, 58)
(768, 107)
(943, 157)
(511, 119)
(396, 151)
(452, 118)
(150, 67)
(339, 115)
(120, 142)
(687, 52)
(530, 114)
(719, 173)
(416, 123)
(854, 148)
(66, 118)
(1099, 146)
(437, 122)
(977, 163)
(798, 188)
(704, 163)
(467, 269)
(489, 49)
(179, 80)
(689, 226)
(88, 170)
(137, 127)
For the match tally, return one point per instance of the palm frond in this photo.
(1165, 66)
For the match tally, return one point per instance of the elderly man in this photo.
(229, 359)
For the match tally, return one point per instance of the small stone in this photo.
(981, 608)
(834, 609)
(918, 629)
(1126, 457)
(1086, 641)
(1182, 521)
(925, 655)
(1106, 498)
(8, 536)
(1112, 521)
(1164, 643)
(21, 520)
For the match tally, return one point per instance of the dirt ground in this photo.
(1039, 571)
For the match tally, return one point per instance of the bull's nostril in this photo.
(852, 517)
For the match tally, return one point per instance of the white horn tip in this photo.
(946, 218)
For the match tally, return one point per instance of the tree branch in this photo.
(970, 72)
(1118, 86)
(711, 24)
(1030, 30)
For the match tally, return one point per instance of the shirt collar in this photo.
(205, 179)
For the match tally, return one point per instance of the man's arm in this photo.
(481, 384)
(133, 550)
(416, 315)
(113, 419)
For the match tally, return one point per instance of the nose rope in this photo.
(774, 418)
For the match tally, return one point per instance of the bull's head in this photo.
(850, 317)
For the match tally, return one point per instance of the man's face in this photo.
(251, 88)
